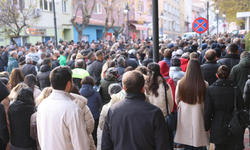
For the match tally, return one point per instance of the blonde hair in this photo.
(44, 94)
(16, 90)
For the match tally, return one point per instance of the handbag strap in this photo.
(235, 101)
(166, 98)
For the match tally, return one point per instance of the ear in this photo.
(143, 90)
(205, 57)
(229, 76)
(217, 76)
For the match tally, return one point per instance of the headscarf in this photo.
(111, 73)
(164, 69)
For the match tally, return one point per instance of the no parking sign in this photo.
(200, 25)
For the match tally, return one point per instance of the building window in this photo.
(165, 26)
(165, 6)
(64, 6)
(45, 5)
(20, 3)
(150, 10)
(140, 7)
(169, 25)
(169, 8)
(98, 8)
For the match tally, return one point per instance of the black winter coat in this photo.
(105, 83)
(1, 65)
(95, 71)
(5, 58)
(219, 107)
(43, 77)
(71, 64)
(28, 69)
(131, 62)
(209, 69)
(120, 69)
(229, 60)
(141, 126)
(145, 62)
(246, 94)
(202, 55)
(55, 63)
(19, 117)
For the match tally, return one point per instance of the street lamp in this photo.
(162, 16)
(54, 11)
(224, 17)
(126, 11)
(217, 15)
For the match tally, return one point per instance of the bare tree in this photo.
(108, 6)
(86, 7)
(119, 29)
(15, 16)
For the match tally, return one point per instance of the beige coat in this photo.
(160, 101)
(190, 125)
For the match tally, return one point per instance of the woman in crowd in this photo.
(155, 86)
(30, 80)
(219, 107)
(16, 77)
(190, 98)
(15, 91)
(106, 66)
(94, 101)
(19, 116)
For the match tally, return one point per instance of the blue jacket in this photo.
(168, 61)
(94, 99)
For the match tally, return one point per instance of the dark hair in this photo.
(194, 55)
(75, 90)
(46, 61)
(133, 82)
(223, 72)
(192, 88)
(106, 57)
(98, 53)
(218, 52)
(111, 63)
(142, 69)
(233, 48)
(90, 55)
(26, 95)
(210, 54)
(16, 77)
(30, 80)
(4, 80)
(60, 76)
(167, 53)
(129, 68)
(88, 80)
(154, 72)
(175, 62)
(150, 53)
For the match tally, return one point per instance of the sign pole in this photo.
(200, 41)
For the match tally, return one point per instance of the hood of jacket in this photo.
(12, 59)
(79, 100)
(174, 68)
(90, 62)
(245, 61)
(45, 68)
(87, 90)
(184, 61)
(164, 69)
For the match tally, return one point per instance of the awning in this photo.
(139, 26)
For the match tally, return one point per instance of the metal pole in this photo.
(224, 24)
(54, 11)
(200, 40)
(208, 17)
(155, 31)
(128, 22)
(217, 24)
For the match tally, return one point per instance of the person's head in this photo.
(186, 56)
(80, 63)
(164, 69)
(142, 69)
(4, 91)
(121, 61)
(152, 83)
(192, 88)
(100, 55)
(111, 73)
(93, 46)
(30, 80)
(114, 88)
(47, 61)
(133, 82)
(210, 42)
(16, 77)
(175, 62)
(129, 68)
(56, 54)
(167, 53)
(29, 60)
(61, 79)
(210, 55)
(194, 55)
(91, 56)
(88, 80)
(16, 90)
(43, 55)
(44, 94)
(244, 54)
(26, 95)
(150, 53)
(13, 54)
(218, 53)
(220, 40)
(6, 82)
(223, 72)
(236, 41)
(32, 50)
(233, 49)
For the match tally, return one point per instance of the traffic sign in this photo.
(224, 25)
(200, 25)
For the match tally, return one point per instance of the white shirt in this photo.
(60, 123)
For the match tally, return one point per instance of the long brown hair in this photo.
(16, 77)
(192, 87)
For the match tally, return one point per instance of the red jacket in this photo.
(184, 63)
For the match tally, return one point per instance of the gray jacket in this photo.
(176, 74)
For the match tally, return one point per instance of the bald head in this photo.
(210, 55)
(236, 41)
(79, 63)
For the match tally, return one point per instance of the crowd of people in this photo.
(111, 95)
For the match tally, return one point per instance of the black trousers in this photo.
(94, 133)
(2, 145)
(228, 147)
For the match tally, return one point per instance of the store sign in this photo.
(35, 31)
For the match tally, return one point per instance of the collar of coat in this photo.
(135, 96)
(63, 93)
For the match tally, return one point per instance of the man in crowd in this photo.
(12, 62)
(55, 62)
(121, 65)
(60, 122)
(43, 76)
(79, 72)
(146, 130)
(28, 68)
(210, 67)
(238, 42)
(167, 56)
(92, 58)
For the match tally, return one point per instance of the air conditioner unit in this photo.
(38, 12)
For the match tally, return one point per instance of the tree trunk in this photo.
(12, 40)
(116, 35)
(104, 34)
(79, 36)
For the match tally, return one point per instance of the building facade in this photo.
(188, 15)
(182, 17)
(43, 29)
